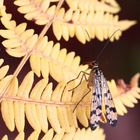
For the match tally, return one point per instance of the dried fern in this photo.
(83, 19)
(3, 70)
(74, 134)
(125, 95)
(94, 5)
(46, 57)
(40, 102)
(20, 42)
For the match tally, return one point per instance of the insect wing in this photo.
(111, 112)
(96, 105)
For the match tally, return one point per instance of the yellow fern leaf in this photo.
(1, 61)
(33, 103)
(36, 114)
(3, 70)
(4, 78)
(55, 59)
(83, 24)
(48, 135)
(17, 37)
(125, 95)
(20, 136)
(94, 5)
(19, 107)
(41, 11)
(79, 134)
(45, 58)
(83, 19)
(5, 137)
(7, 109)
(34, 135)
(38, 10)
(42, 104)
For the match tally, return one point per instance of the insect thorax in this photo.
(95, 69)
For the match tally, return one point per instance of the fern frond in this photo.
(46, 58)
(49, 57)
(88, 24)
(38, 10)
(81, 24)
(3, 69)
(78, 134)
(41, 104)
(94, 5)
(17, 36)
(5, 137)
(41, 12)
(7, 108)
(125, 95)
(15, 104)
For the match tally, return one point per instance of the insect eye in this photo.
(93, 63)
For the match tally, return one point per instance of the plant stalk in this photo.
(26, 57)
(42, 34)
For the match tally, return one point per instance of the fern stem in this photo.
(4, 91)
(42, 34)
(44, 102)
(26, 57)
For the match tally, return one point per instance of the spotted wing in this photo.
(96, 106)
(111, 112)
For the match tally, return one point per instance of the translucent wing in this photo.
(96, 106)
(111, 112)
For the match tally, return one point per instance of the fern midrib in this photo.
(42, 34)
(43, 102)
(51, 102)
(26, 57)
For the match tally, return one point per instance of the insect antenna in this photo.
(106, 44)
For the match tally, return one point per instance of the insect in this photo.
(102, 103)
(102, 99)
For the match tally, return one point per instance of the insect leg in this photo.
(84, 75)
(82, 98)
(81, 72)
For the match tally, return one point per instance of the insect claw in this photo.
(75, 108)
(71, 90)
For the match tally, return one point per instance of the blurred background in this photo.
(120, 59)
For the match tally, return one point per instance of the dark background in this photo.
(121, 59)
